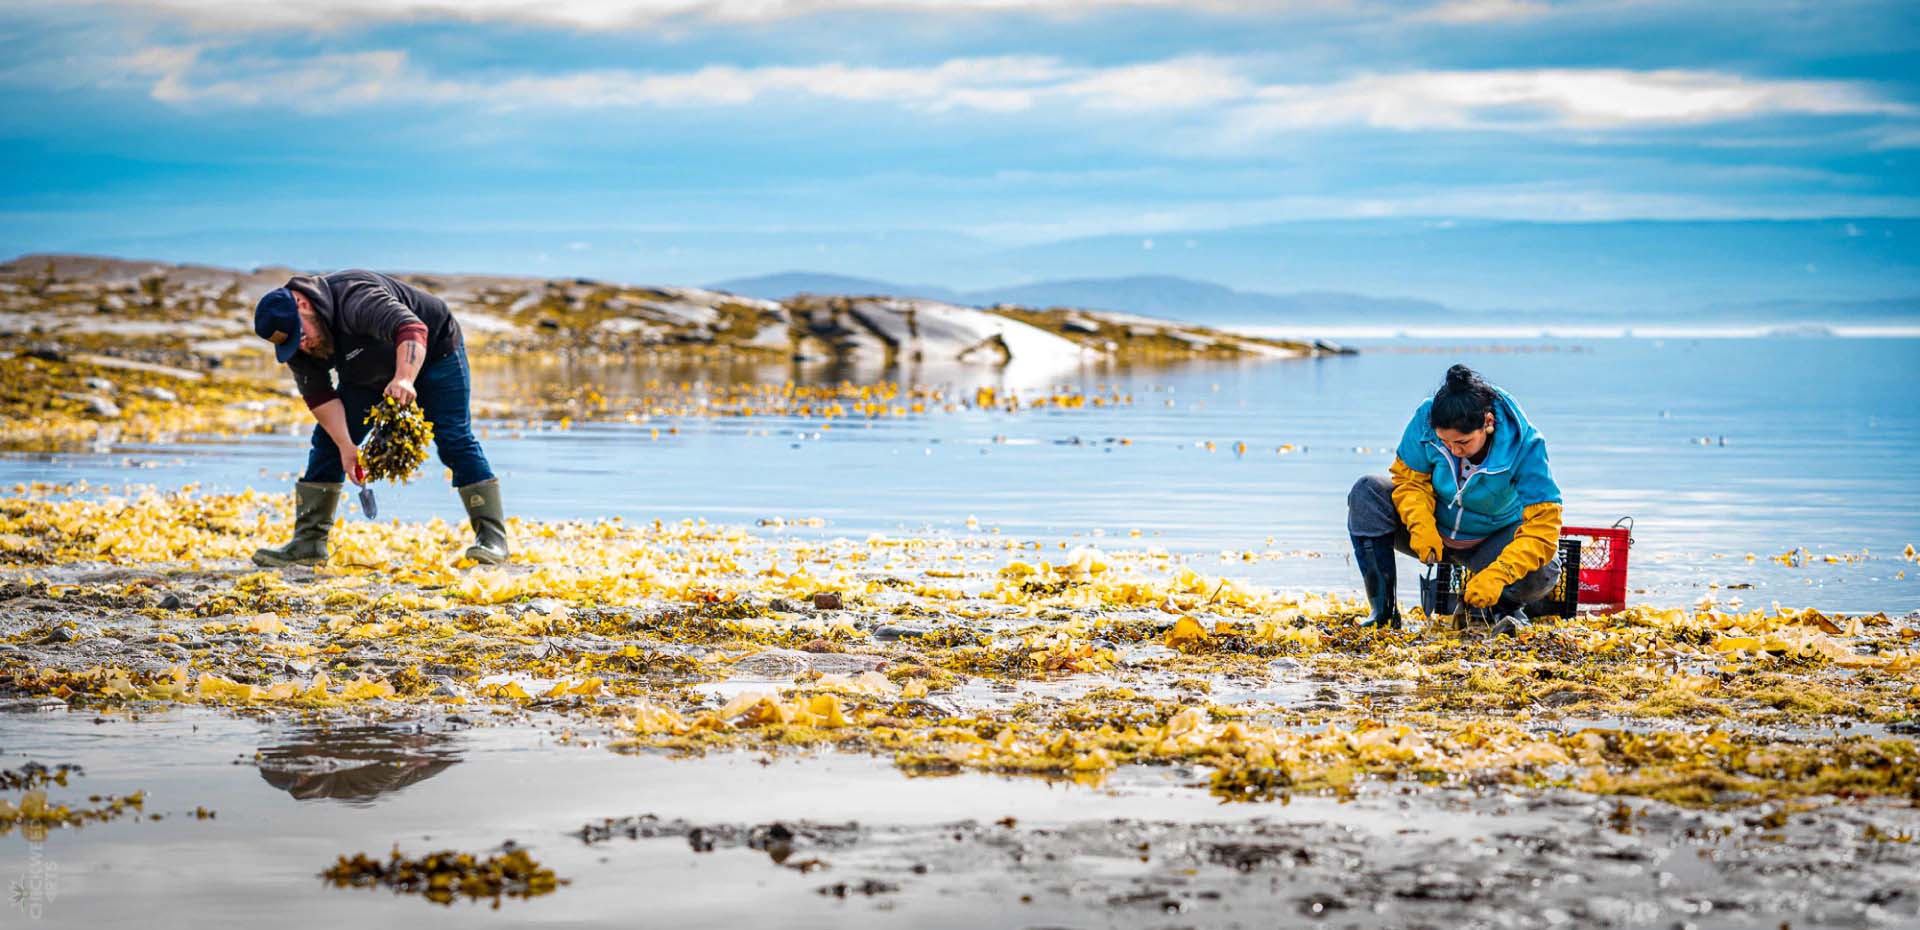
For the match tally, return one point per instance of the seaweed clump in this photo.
(401, 434)
(442, 876)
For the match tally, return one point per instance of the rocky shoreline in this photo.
(196, 316)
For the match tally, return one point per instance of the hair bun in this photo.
(1463, 402)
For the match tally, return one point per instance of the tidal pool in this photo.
(834, 841)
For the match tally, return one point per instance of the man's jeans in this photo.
(1370, 512)
(445, 391)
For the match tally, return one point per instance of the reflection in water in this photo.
(355, 764)
(513, 378)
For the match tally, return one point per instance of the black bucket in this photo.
(1440, 589)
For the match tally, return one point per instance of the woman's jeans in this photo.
(1370, 513)
(445, 391)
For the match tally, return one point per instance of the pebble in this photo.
(786, 663)
(544, 605)
(96, 405)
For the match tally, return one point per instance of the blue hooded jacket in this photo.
(1514, 476)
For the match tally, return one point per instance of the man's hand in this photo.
(1426, 546)
(350, 463)
(401, 389)
(1484, 589)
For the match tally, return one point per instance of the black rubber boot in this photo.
(313, 506)
(1374, 555)
(489, 518)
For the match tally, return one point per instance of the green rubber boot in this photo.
(489, 518)
(313, 506)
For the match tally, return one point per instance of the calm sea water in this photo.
(1717, 448)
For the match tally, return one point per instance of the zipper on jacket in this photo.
(1460, 485)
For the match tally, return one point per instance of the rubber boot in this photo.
(1374, 555)
(1511, 622)
(313, 506)
(489, 519)
(1512, 619)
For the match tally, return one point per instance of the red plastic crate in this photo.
(1603, 563)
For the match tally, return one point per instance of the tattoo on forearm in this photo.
(413, 352)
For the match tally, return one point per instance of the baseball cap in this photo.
(276, 318)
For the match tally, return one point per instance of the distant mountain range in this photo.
(1214, 305)
(1667, 270)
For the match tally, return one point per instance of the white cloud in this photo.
(1246, 111)
(598, 15)
(180, 76)
(1181, 82)
(1898, 137)
(1480, 11)
(1006, 84)
(1591, 99)
(330, 82)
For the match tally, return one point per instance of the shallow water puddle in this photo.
(838, 840)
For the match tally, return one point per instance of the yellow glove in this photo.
(1483, 590)
(1413, 499)
(1533, 545)
(1426, 545)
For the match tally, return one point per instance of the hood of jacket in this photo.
(315, 288)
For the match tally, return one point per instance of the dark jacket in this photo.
(365, 313)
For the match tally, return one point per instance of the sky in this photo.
(683, 141)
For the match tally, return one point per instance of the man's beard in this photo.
(322, 344)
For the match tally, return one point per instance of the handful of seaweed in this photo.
(397, 442)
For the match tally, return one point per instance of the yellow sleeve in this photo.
(1533, 545)
(1413, 498)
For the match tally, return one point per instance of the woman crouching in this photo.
(1469, 484)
